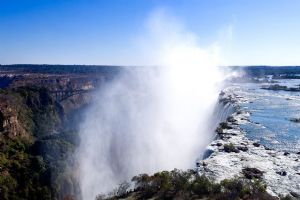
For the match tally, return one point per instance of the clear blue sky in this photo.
(102, 31)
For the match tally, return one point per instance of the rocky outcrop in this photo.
(296, 120)
(252, 173)
(10, 117)
(278, 87)
(77, 101)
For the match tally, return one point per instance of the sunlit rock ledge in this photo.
(235, 155)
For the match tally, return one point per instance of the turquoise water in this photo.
(271, 112)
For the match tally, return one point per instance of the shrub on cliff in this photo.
(230, 148)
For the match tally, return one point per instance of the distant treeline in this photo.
(61, 69)
(268, 70)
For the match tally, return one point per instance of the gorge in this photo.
(53, 149)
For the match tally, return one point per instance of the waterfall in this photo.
(150, 119)
(220, 114)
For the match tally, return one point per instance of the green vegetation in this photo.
(34, 164)
(177, 184)
(22, 175)
(44, 115)
(230, 148)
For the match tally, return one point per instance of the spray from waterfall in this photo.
(151, 118)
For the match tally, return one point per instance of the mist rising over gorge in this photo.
(150, 118)
(144, 100)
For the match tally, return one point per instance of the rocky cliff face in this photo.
(39, 116)
(9, 123)
(10, 116)
(35, 146)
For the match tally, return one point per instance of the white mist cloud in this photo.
(151, 119)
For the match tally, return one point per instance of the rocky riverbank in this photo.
(278, 87)
(235, 155)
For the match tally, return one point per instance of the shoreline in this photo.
(233, 154)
